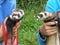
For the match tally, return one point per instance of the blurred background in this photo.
(28, 30)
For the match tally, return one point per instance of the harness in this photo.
(14, 40)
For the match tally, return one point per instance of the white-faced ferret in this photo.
(48, 16)
(16, 16)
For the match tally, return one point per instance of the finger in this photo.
(51, 23)
(17, 24)
(50, 28)
(52, 33)
(42, 31)
(49, 31)
(15, 32)
(14, 28)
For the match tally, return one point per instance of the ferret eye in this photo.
(18, 15)
(41, 15)
(45, 14)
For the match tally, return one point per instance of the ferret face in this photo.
(17, 14)
(44, 15)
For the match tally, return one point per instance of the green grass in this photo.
(29, 26)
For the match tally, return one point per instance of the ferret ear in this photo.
(13, 10)
(48, 13)
(21, 11)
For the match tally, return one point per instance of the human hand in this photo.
(15, 28)
(47, 29)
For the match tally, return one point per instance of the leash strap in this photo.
(5, 33)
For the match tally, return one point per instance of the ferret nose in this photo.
(14, 18)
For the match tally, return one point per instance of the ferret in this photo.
(47, 17)
(16, 16)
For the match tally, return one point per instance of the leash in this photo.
(14, 40)
(5, 33)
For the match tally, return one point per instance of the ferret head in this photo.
(17, 14)
(44, 15)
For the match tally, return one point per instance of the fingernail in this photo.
(56, 22)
